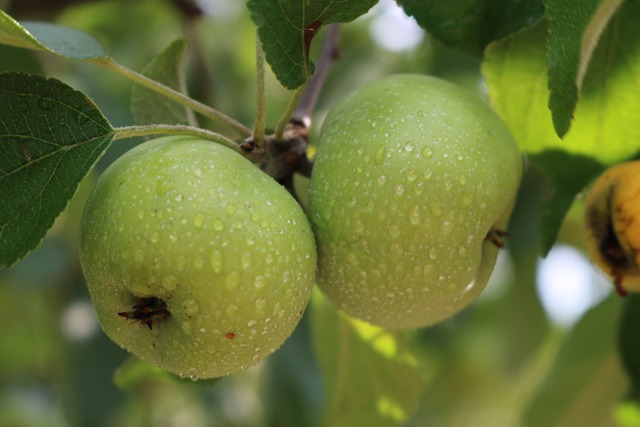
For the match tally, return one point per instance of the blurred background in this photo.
(524, 354)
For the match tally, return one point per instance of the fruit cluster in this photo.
(200, 263)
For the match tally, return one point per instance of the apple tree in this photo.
(266, 213)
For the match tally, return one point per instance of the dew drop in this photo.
(141, 214)
(396, 248)
(186, 328)
(433, 253)
(380, 154)
(169, 282)
(231, 209)
(190, 307)
(427, 152)
(414, 215)
(381, 179)
(260, 282)
(232, 280)
(197, 172)
(412, 175)
(436, 208)
(252, 323)
(359, 227)
(198, 219)
(409, 147)
(394, 230)
(400, 189)
(155, 237)
(467, 199)
(246, 259)
(428, 173)
(418, 187)
(216, 260)
(198, 262)
(218, 225)
(260, 304)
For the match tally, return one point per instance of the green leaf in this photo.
(286, 28)
(371, 377)
(628, 343)
(470, 25)
(50, 138)
(574, 31)
(586, 380)
(567, 175)
(150, 107)
(56, 39)
(516, 75)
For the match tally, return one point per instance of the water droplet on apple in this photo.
(394, 230)
(232, 280)
(400, 189)
(198, 219)
(427, 152)
(414, 215)
(412, 175)
(409, 147)
(252, 323)
(260, 282)
(141, 214)
(433, 253)
(245, 259)
(381, 179)
(231, 209)
(155, 237)
(380, 154)
(190, 307)
(198, 262)
(169, 282)
(359, 226)
(435, 207)
(218, 225)
(418, 187)
(216, 261)
(260, 304)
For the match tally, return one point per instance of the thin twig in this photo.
(159, 129)
(174, 95)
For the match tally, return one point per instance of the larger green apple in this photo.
(412, 174)
(195, 260)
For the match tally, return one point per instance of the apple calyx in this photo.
(147, 310)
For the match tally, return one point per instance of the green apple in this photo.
(411, 176)
(196, 261)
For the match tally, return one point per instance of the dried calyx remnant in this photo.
(148, 310)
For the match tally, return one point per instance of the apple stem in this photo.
(174, 95)
(159, 129)
(261, 101)
(304, 99)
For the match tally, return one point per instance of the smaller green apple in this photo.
(196, 261)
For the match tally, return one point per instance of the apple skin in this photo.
(224, 246)
(410, 176)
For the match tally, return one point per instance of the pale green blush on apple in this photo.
(226, 248)
(410, 175)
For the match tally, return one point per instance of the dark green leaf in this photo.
(628, 343)
(574, 31)
(50, 138)
(516, 74)
(371, 376)
(470, 25)
(149, 107)
(56, 39)
(586, 380)
(566, 175)
(286, 28)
